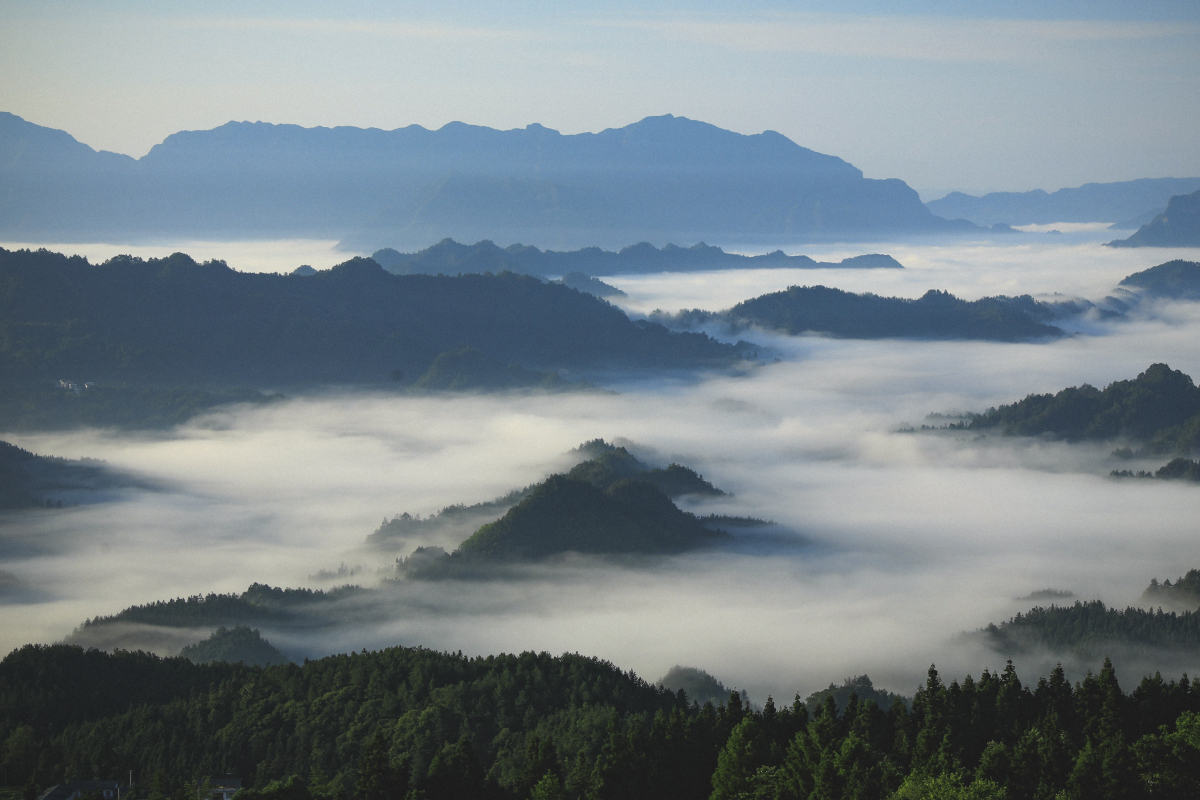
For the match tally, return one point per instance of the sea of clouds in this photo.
(889, 544)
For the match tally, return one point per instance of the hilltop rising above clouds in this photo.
(173, 320)
(661, 179)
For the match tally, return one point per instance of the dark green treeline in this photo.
(411, 723)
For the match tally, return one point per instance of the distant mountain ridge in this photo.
(451, 257)
(660, 179)
(1092, 202)
(1178, 226)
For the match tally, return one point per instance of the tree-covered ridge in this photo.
(1185, 592)
(601, 464)
(32, 481)
(594, 286)
(1177, 279)
(1092, 629)
(450, 257)
(609, 464)
(411, 723)
(259, 604)
(859, 687)
(699, 686)
(935, 315)
(174, 321)
(1160, 407)
(237, 645)
(1177, 469)
(564, 514)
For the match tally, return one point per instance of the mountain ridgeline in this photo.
(935, 315)
(450, 257)
(609, 505)
(1177, 226)
(1092, 202)
(1160, 408)
(661, 179)
(414, 723)
(174, 321)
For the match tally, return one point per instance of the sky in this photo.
(946, 96)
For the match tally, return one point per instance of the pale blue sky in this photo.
(944, 95)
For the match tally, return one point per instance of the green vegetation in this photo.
(44, 405)
(32, 481)
(1176, 279)
(236, 645)
(1161, 407)
(1177, 469)
(564, 514)
(697, 685)
(860, 688)
(410, 723)
(1184, 593)
(174, 322)
(1090, 629)
(604, 466)
(470, 369)
(609, 464)
(259, 604)
(935, 315)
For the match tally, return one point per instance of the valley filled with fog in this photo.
(888, 543)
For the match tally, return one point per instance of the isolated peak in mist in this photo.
(660, 179)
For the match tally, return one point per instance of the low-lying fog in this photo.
(889, 543)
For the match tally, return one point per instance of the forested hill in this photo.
(174, 320)
(1177, 279)
(411, 723)
(935, 315)
(450, 257)
(28, 480)
(1160, 407)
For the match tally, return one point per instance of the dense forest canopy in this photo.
(174, 320)
(412, 723)
(1161, 407)
(1091, 628)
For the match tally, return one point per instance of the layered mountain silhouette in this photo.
(1122, 203)
(1178, 226)
(661, 179)
(452, 258)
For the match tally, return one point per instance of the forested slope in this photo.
(174, 320)
(1160, 407)
(412, 723)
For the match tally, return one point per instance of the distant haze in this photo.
(976, 97)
